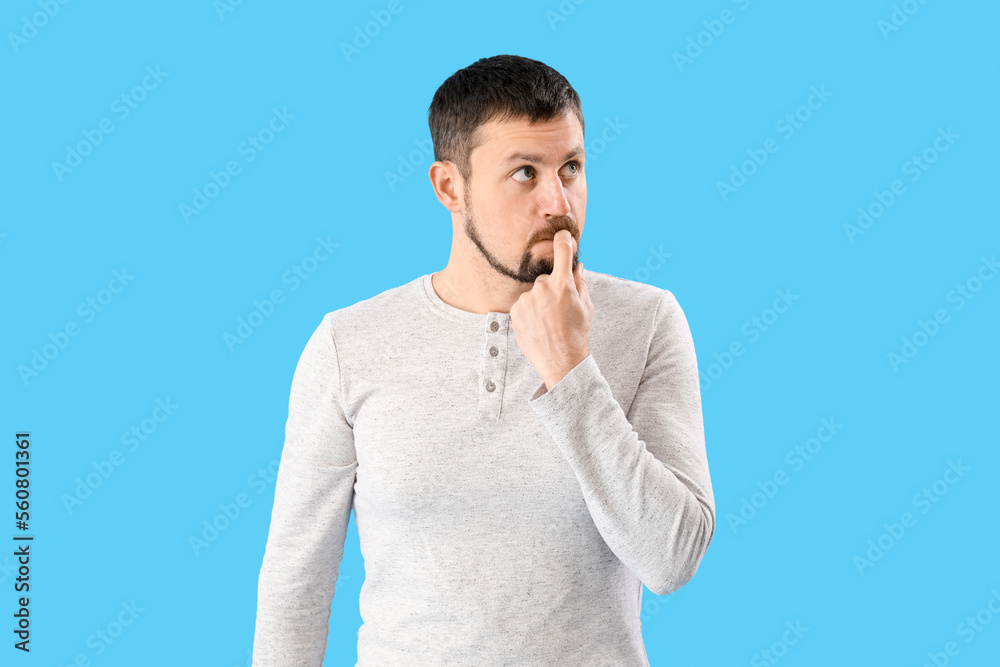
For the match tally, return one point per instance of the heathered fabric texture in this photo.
(506, 527)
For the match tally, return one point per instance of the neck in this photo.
(480, 292)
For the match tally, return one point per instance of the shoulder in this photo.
(621, 296)
(376, 313)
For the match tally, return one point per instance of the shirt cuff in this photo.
(570, 383)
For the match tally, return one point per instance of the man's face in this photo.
(527, 183)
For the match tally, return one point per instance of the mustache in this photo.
(564, 223)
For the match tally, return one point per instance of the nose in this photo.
(554, 202)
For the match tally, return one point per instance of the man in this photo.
(521, 441)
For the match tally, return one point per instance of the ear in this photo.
(447, 184)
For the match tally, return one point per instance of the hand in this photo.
(552, 320)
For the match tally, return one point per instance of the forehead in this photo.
(501, 139)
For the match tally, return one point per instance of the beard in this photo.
(530, 266)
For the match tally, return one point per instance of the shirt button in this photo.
(490, 386)
(494, 325)
(494, 351)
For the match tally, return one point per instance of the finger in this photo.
(581, 284)
(563, 245)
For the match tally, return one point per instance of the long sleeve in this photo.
(313, 496)
(644, 476)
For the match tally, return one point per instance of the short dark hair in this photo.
(499, 88)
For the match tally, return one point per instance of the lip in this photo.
(552, 238)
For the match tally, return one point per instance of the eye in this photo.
(575, 164)
(520, 180)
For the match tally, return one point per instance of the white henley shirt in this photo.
(500, 523)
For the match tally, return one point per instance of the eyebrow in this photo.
(531, 157)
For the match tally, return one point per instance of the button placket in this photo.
(494, 364)
(494, 325)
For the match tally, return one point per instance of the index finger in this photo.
(563, 245)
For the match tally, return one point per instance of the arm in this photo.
(313, 495)
(644, 477)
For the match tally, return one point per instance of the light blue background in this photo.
(653, 188)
